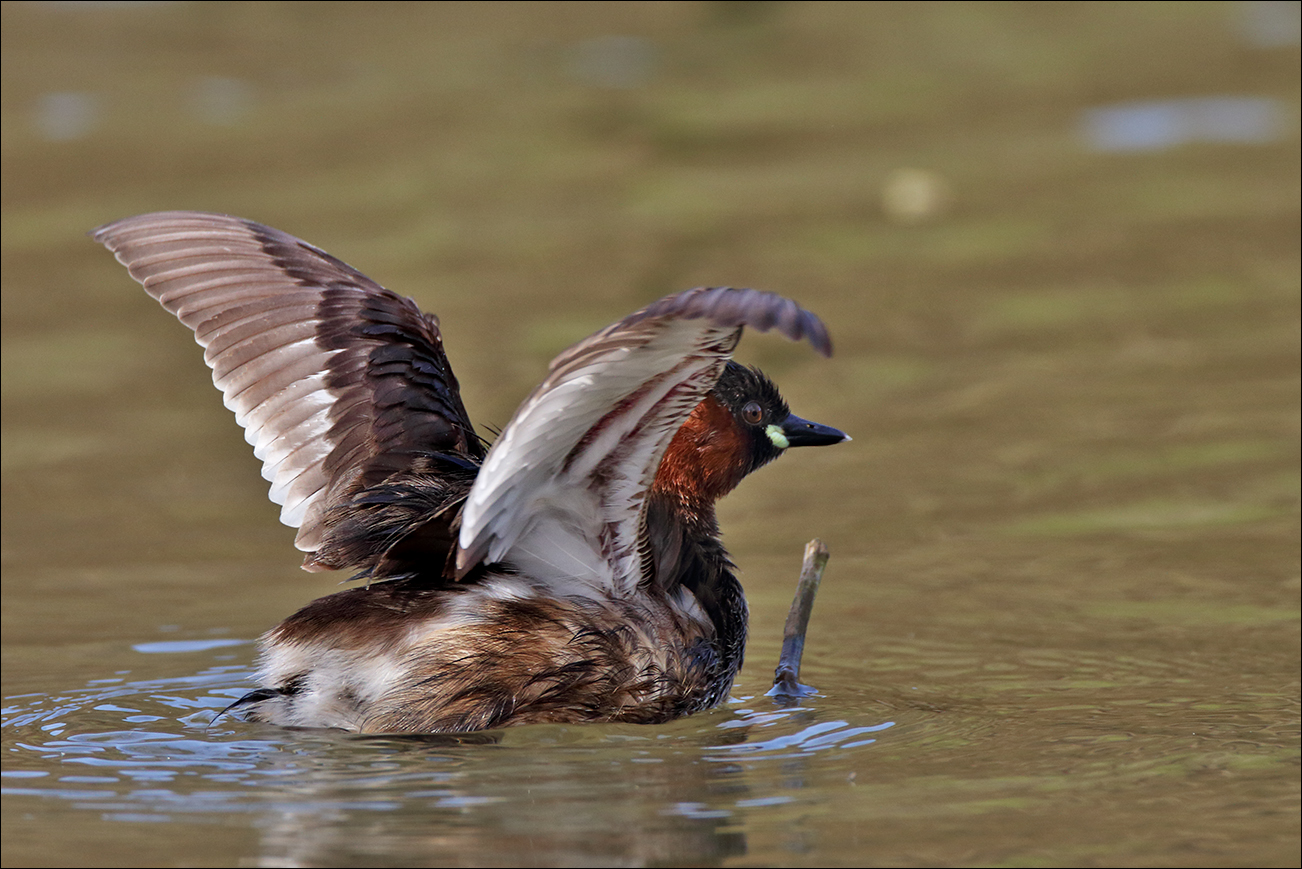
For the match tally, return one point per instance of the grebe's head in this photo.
(742, 424)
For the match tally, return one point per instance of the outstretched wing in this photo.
(560, 494)
(338, 382)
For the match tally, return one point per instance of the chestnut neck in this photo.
(706, 459)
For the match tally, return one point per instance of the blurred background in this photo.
(1057, 246)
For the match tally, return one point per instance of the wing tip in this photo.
(761, 310)
(468, 558)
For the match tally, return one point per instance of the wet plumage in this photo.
(572, 572)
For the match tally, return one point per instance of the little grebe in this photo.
(573, 572)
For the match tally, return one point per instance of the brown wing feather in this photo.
(560, 495)
(339, 382)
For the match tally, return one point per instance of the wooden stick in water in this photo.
(785, 684)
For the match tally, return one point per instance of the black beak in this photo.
(803, 433)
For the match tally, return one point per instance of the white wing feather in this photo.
(561, 493)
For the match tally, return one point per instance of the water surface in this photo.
(1061, 619)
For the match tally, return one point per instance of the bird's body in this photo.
(573, 572)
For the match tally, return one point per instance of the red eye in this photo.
(752, 413)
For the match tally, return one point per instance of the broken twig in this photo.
(785, 682)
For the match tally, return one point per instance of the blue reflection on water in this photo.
(168, 648)
(1154, 125)
(816, 737)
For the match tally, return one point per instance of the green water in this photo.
(1060, 624)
